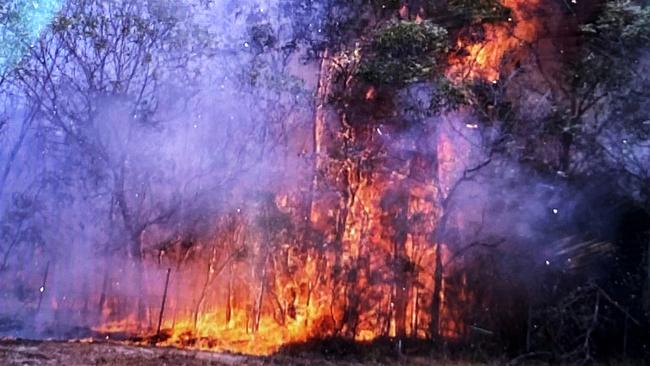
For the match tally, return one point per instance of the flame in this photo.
(485, 59)
(355, 280)
(371, 93)
(213, 329)
(255, 306)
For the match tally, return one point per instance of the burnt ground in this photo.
(74, 353)
(22, 352)
(87, 352)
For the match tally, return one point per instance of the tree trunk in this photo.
(13, 153)
(565, 153)
(104, 293)
(322, 91)
(201, 299)
(400, 268)
(135, 245)
(138, 276)
(646, 297)
(109, 264)
(415, 312)
(229, 300)
(436, 300)
(351, 314)
(260, 297)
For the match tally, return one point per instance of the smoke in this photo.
(213, 118)
(217, 100)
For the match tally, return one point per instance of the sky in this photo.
(22, 23)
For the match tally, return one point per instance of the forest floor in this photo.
(77, 353)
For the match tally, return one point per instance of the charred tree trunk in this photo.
(135, 242)
(104, 293)
(400, 262)
(566, 141)
(310, 289)
(260, 297)
(415, 313)
(162, 305)
(436, 300)
(187, 247)
(138, 276)
(229, 300)
(351, 313)
(351, 260)
(106, 282)
(13, 153)
(202, 295)
(646, 294)
(338, 272)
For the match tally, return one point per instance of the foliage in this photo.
(448, 96)
(321, 24)
(611, 42)
(21, 22)
(606, 68)
(404, 52)
(479, 11)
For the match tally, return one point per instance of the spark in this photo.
(555, 211)
(42, 289)
(471, 125)
(548, 263)
(379, 132)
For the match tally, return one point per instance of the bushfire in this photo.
(357, 260)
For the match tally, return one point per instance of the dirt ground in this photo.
(77, 353)
(86, 352)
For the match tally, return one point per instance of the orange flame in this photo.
(484, 60)
(248, 310)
